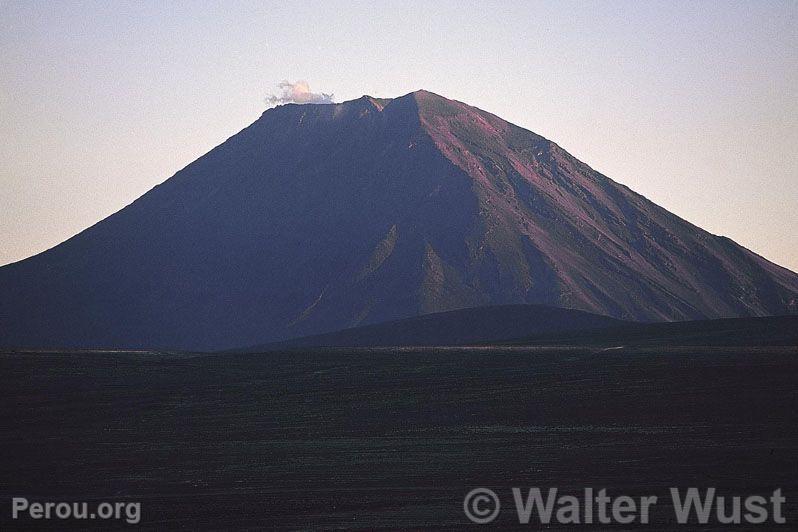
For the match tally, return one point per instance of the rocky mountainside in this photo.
(320, 217)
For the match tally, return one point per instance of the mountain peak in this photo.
(421, 97)
(427, 99)
(425, 94)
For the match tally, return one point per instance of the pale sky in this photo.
(692, 104)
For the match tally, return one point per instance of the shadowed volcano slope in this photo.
(321, 217)
(480, 325)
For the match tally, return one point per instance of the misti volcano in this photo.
(320, 217)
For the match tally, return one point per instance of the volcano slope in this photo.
(321, 217)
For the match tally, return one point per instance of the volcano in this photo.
(322, 217)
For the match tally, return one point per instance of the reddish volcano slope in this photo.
(320, 217)
(606, 248)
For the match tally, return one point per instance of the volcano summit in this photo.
(320, 217)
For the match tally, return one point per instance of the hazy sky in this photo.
(693, 104)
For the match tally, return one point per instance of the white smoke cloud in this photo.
(298, 92)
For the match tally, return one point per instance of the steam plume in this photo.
(298, 92)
